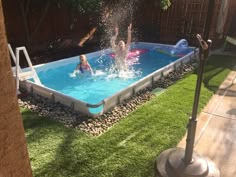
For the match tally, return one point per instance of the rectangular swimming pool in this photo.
(95, 95)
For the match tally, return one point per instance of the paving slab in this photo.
(227, 107)
(215, 136)
(224, 89)
(202, 123)
(219, 144)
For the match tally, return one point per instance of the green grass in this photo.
(131, 146)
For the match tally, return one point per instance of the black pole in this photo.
(177, 161)
(193, 120)
(211, 5)
(203, 57)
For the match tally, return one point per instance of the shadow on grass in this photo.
(59, 151)
(36, 128)
(129, 148)
(64, 161)
(91, 157)
(216, 69)
(51, 145)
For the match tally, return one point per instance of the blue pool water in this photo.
(93, 89)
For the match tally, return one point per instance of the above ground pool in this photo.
(98, 93)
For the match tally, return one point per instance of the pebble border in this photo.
(97, 126)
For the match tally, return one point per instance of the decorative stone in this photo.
(96, 126)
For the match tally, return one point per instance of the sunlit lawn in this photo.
(130, 147)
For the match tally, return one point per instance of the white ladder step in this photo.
(23, 75)
(26, 75)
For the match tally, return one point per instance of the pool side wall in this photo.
(110, 102)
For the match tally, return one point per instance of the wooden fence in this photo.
(183, 19)
(59, 25)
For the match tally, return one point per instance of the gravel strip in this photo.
(96, 126)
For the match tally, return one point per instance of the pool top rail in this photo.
(110, 102)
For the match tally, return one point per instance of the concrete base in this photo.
(170, 164)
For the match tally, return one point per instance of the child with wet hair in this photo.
(121, 49)
(83, 66)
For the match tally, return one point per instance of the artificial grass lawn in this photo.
(130, 147)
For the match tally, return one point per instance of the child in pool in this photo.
(121, 49)
(83, 66)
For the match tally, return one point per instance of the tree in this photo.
(14, 160)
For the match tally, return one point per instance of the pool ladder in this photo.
(18, 73)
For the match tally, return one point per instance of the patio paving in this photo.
(216, 130)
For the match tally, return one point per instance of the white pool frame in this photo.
(110, 102)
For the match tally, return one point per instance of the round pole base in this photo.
(170, 164)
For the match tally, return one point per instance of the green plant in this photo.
(165, 4)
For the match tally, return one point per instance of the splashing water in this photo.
(106, 81)
(128, 74)
(116, 13)
(108, 73)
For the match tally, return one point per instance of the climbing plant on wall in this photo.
(165, 4)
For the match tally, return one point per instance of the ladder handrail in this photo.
(18, 49)
(13, 56)
(16, 59)
(17, 74)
